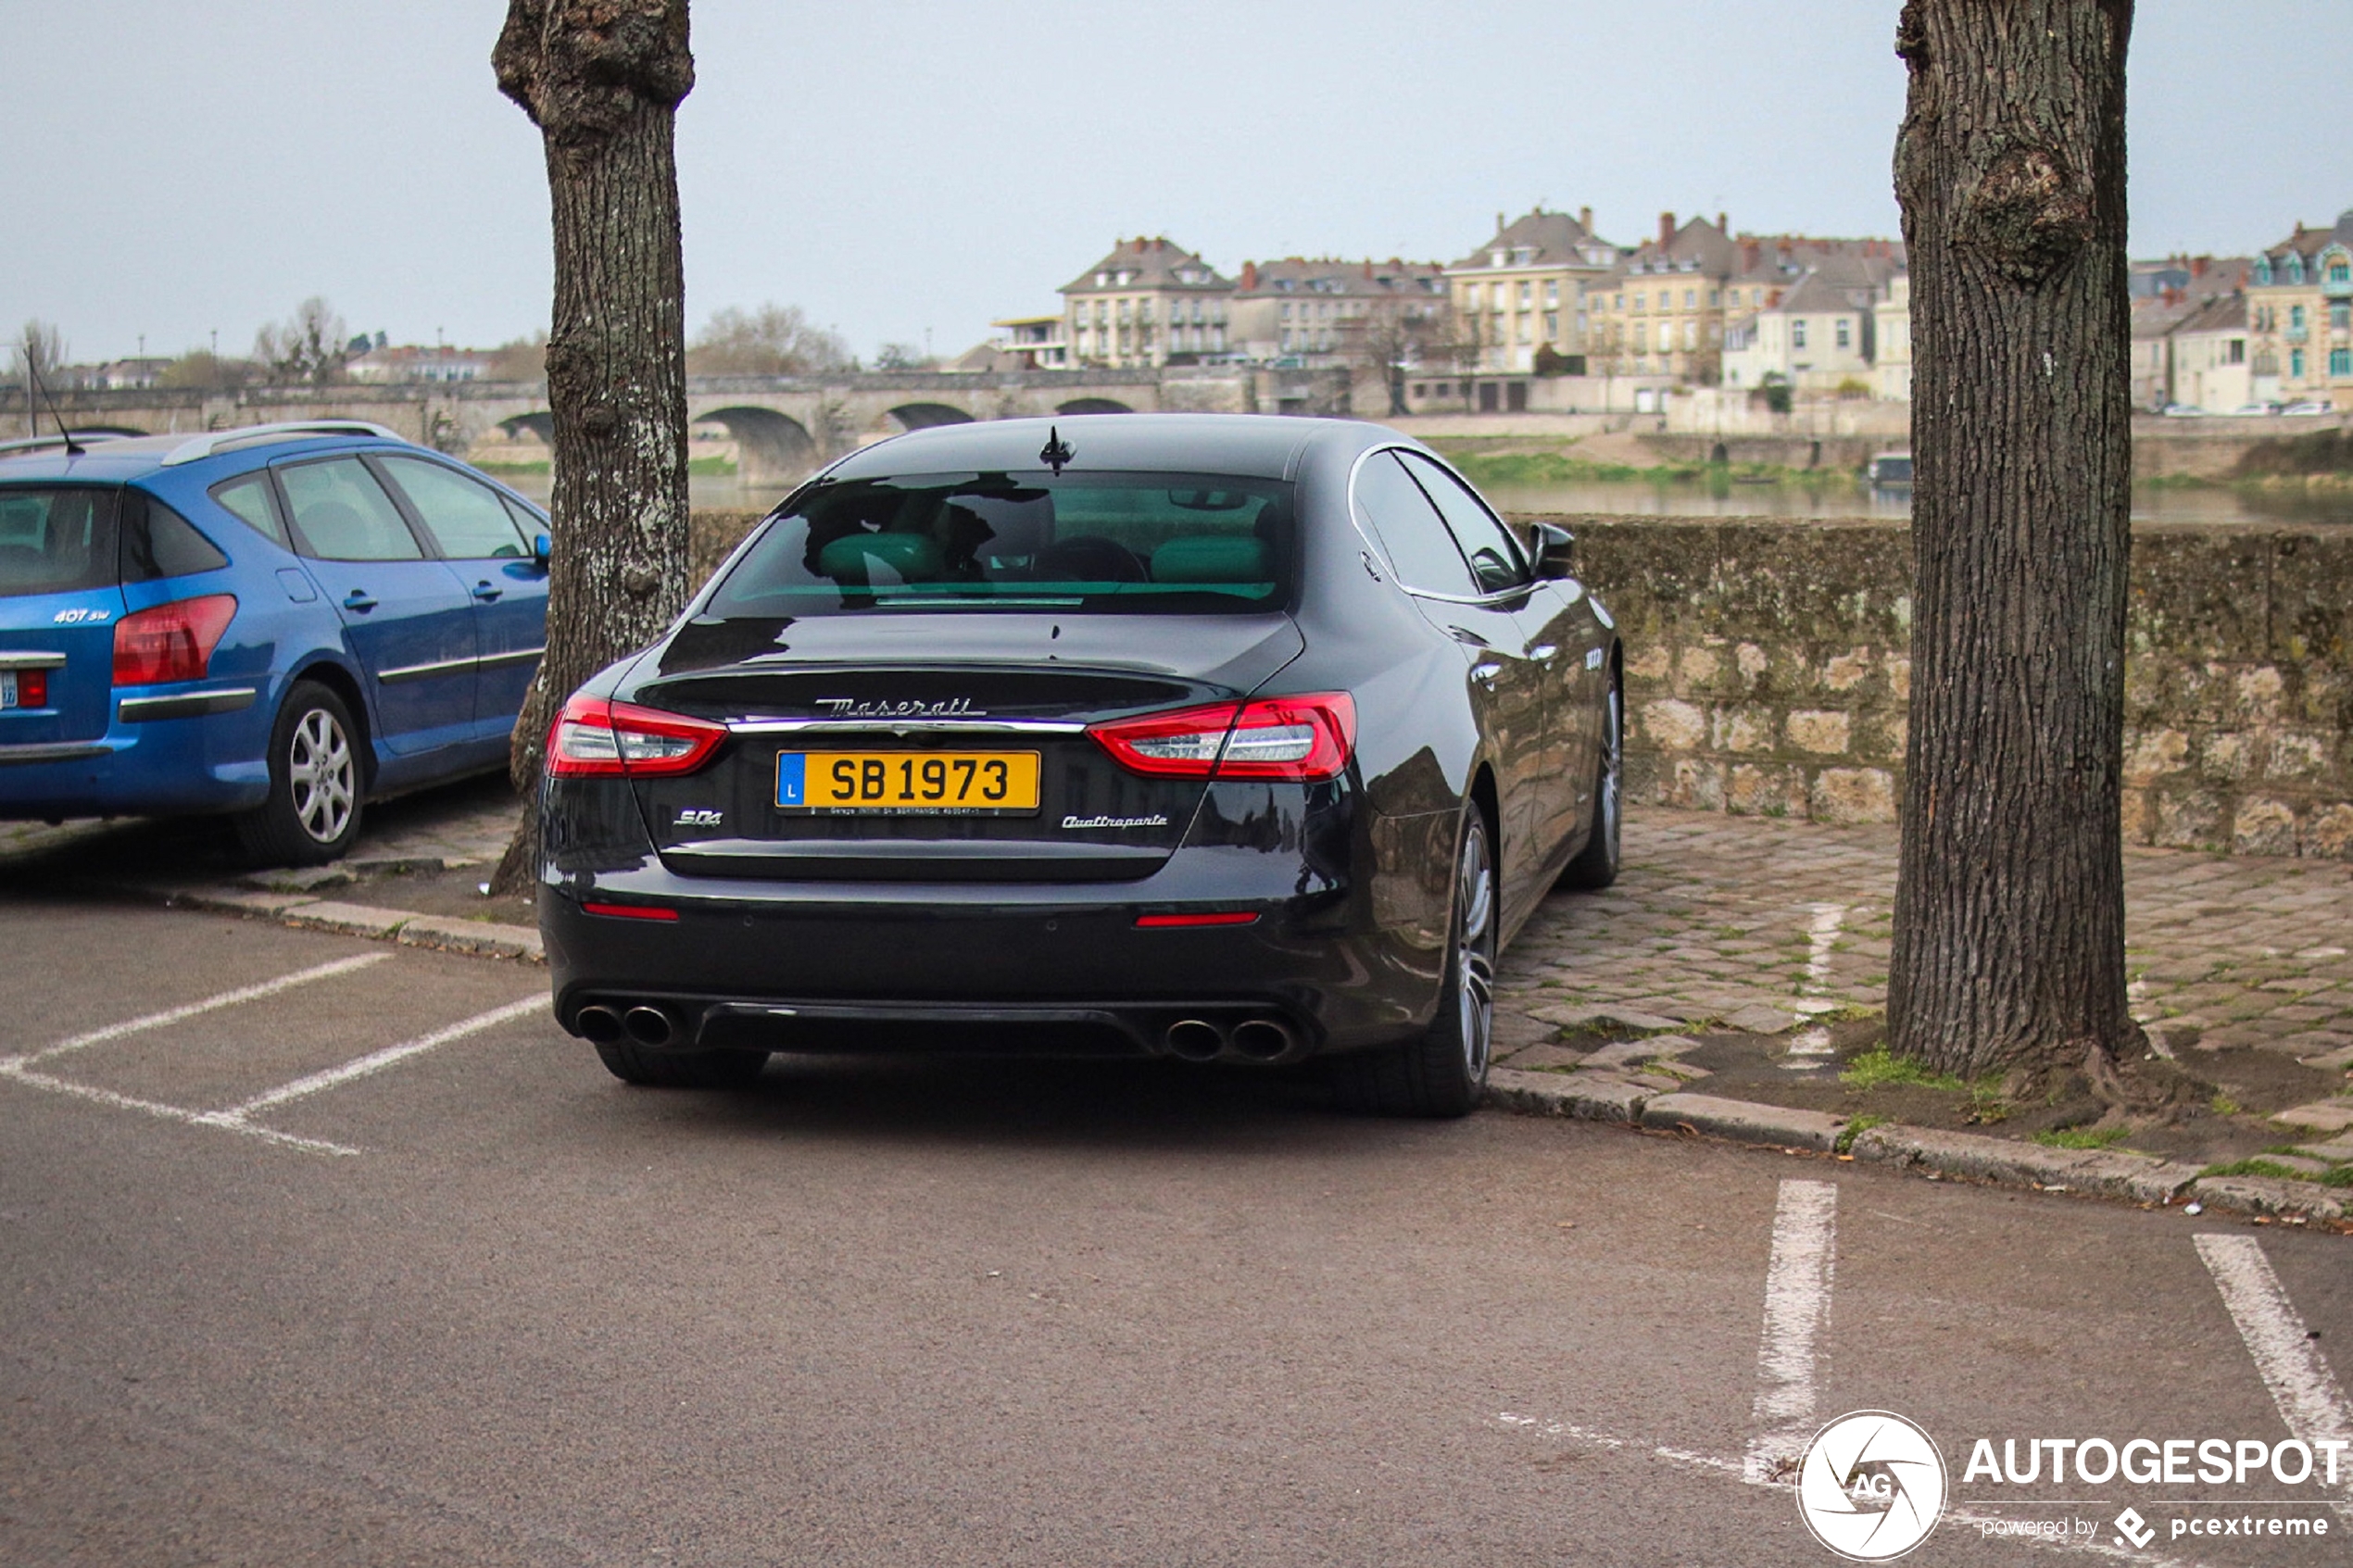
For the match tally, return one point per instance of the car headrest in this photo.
(853, 559)
(1213, 560)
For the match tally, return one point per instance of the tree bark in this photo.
(2009, 898)
(602, 80)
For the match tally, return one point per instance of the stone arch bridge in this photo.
(782, 425)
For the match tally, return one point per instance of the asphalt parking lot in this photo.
(319, 1250)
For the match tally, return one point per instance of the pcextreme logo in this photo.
(1872, 1486)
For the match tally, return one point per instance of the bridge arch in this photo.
(924, 415)
(541, 424)
(768, 444)
(1093, 406)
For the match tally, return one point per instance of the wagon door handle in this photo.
(1485, 673)
(358, 599)
(486, 591)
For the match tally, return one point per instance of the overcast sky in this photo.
(905, 166)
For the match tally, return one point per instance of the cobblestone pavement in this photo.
(1754, 923)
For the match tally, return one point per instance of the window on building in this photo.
(1797, 332)
(2295, 318)
(1665, 336)
(1526, 294)
(1691, 299)
(1552, 291)
(2238, 351)
(1639, 300)
(2267, 363)
(2340, 363)
(1714, 298)
(2341, 317)
(2340, 270)
(1551, 325)
(2296, 364)
(1690, 334)
(1844, 333)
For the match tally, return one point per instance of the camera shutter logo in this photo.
(1871, 1487)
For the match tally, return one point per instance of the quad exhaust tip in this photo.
(1263, 1039)
(600, 1025)
(1195, 1040)
(650, 1025)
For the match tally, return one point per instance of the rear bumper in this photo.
(1037, 969)
(168, 750)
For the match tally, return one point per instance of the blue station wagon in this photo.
(277, 622)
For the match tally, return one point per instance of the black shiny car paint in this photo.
(786, 932)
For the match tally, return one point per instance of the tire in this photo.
(1596, 864)
(1443, 1073)
(316, 769)
(633, 1063)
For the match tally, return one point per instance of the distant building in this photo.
(1527, 287)
(2299, 304)
(1892, 355)
(1150, 302)
(1035, 342)
(1815, 335)
(135, 374)
(2211, 368)
(1318, 312)
(416, 362)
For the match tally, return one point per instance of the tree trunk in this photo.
(602, 80)
(2009, 899)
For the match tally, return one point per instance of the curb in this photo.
(474, 939)
(2138, 1178)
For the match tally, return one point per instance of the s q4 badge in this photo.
(698, 817)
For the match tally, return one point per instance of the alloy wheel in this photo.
(1474, 952)
(320, 776)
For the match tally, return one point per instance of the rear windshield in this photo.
(56, 540)
(1123, 542)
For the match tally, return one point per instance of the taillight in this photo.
(1305, 738)
(33, 688)
(596, 734)
(172, 641)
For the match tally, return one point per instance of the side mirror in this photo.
(1555, 551)
(541, 548)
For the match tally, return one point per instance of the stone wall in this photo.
(1768, 671)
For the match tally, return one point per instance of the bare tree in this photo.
(310, 345)
(902, 356)
(523, 358)
(1391, 334)
(775, 340)
(602, 80)
(2009, 902)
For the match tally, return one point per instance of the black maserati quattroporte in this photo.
(1224, 739)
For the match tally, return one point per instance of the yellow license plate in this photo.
(908, 783)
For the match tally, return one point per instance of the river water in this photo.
(1700, 498)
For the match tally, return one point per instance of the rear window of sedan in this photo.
(1121, 543)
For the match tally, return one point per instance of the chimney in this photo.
(1249, 276)
(1666, 230)
(1142, 244)
(2197, 265)
(1368, 268)
(1751, 253)
(1722, 227)
(1585, 219)
(1499, 223)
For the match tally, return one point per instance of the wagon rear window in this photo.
(1120, 543)
(56, 540)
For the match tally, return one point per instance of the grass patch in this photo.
(1855, 1128)
(1880, 1065)
(2338, 1176)
(2257, 1166)
(2226, 1106)
(2081, 1137)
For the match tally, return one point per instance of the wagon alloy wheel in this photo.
(1443, 1071)
(320, 770)
(1596, 864)
(316, 782)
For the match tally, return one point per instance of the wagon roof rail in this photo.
(214, 441)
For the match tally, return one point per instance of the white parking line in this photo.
(374, 1061)
(1820, 937)
(1797, 1309)
(191, 1010)
(2309, 1398)
(16, 1069)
